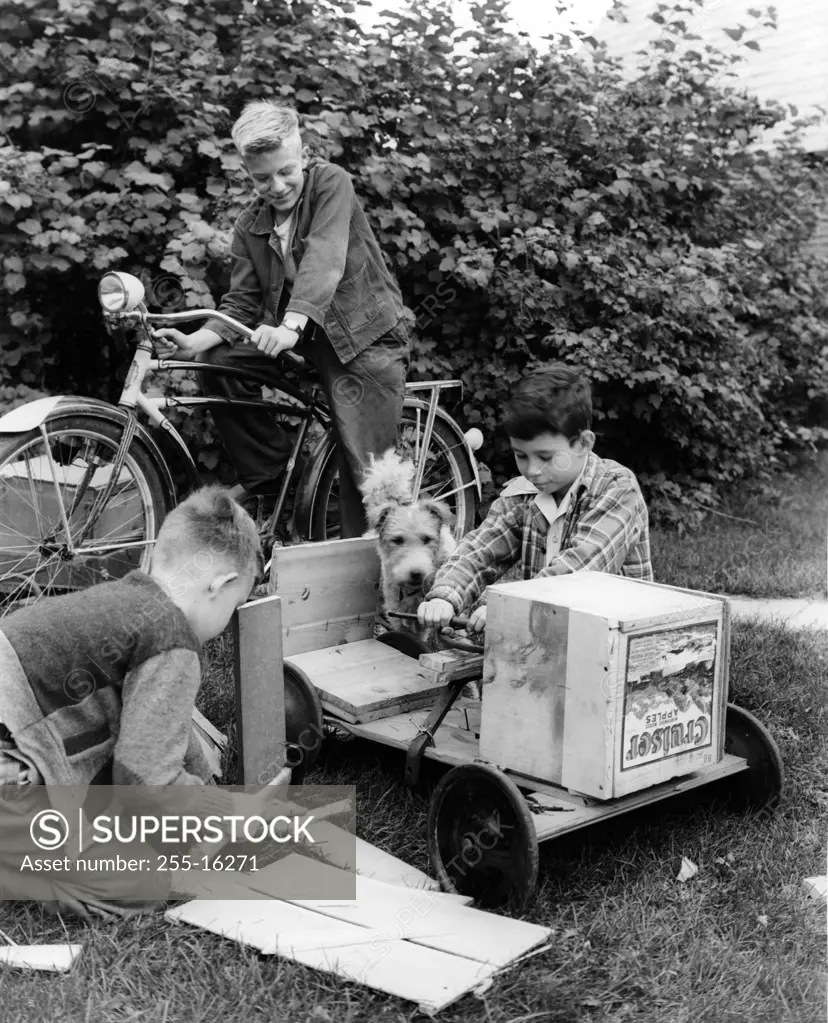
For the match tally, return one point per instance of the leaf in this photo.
(735, 33)
(208, 148)
(752, 45)
(142, 175)
(29, 227)
(14, 282)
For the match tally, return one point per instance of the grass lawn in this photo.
(738, 943)
(770, 541)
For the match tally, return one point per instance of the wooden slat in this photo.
(260, 707)
(451, 665)
(431, 978)
(318, 583)
(454, 744)
(367, 680)
(556, 823)
(419, 917)
(367, 859)
(299, 639)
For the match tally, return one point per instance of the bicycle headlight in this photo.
(119, 292)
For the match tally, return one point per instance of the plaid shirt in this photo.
(606, 529)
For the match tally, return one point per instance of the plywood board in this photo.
(400, 914)
(432, 979)
(260, 705)
(367, 680)
(370, 861)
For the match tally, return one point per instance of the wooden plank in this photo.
(299, 639)
(367, 680)
(552, 824)
(404, 969)
(211, 741)
(260, 707)
(323, 582)
(454, 745)
(419, 917)
(370, 861)
(451, 665)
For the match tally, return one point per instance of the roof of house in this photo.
(791, 66)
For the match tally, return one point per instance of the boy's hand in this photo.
(273, 341)
(477, 620)
(170, 343)
(435, 612)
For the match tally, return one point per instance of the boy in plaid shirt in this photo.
(569, 511)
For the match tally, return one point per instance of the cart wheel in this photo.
(304, 723)
(407, 644)
(760, 786)
(481, 837)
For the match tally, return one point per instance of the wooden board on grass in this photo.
(432, 979)
(367, 680)
(423, 918)
(370, 861)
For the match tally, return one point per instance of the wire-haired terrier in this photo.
(413, 537)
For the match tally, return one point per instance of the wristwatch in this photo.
(291, 325)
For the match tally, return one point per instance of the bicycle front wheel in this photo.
(448, 475)
(48, 490)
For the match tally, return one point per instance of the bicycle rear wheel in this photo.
(46, 486)
(448, 475)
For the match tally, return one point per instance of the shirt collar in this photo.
(520, 485)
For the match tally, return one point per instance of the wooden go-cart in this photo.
(588, 709)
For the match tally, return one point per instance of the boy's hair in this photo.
(209, 526)
(555, 399)
(263, 126)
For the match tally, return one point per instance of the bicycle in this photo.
(84, 486)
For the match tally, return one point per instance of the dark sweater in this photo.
(99, 685)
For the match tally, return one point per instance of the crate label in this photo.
(668, 694)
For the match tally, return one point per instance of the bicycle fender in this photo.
(34, 413)
(446, 418)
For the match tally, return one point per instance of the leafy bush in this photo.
(532, 207)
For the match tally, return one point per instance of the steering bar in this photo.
(202, 314)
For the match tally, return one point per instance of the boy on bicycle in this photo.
(305, 267)
(569, 511)
(97, 687)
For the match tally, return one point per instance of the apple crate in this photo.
(603, 685)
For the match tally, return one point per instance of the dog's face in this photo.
(410, 540)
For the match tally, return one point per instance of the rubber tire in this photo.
(759, 788)
(311, 517)
(407, 644)
(446, 833)
(303, 713)
(161, 500)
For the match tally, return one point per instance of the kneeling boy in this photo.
(569, 511)
(99, 686)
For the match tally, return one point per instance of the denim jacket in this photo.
(342, 283)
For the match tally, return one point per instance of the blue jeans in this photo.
(364, 395)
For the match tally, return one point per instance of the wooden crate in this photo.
(601, 684)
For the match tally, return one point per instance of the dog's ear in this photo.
(378, 516)
(440, 510)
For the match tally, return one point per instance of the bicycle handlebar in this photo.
(213, 314)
